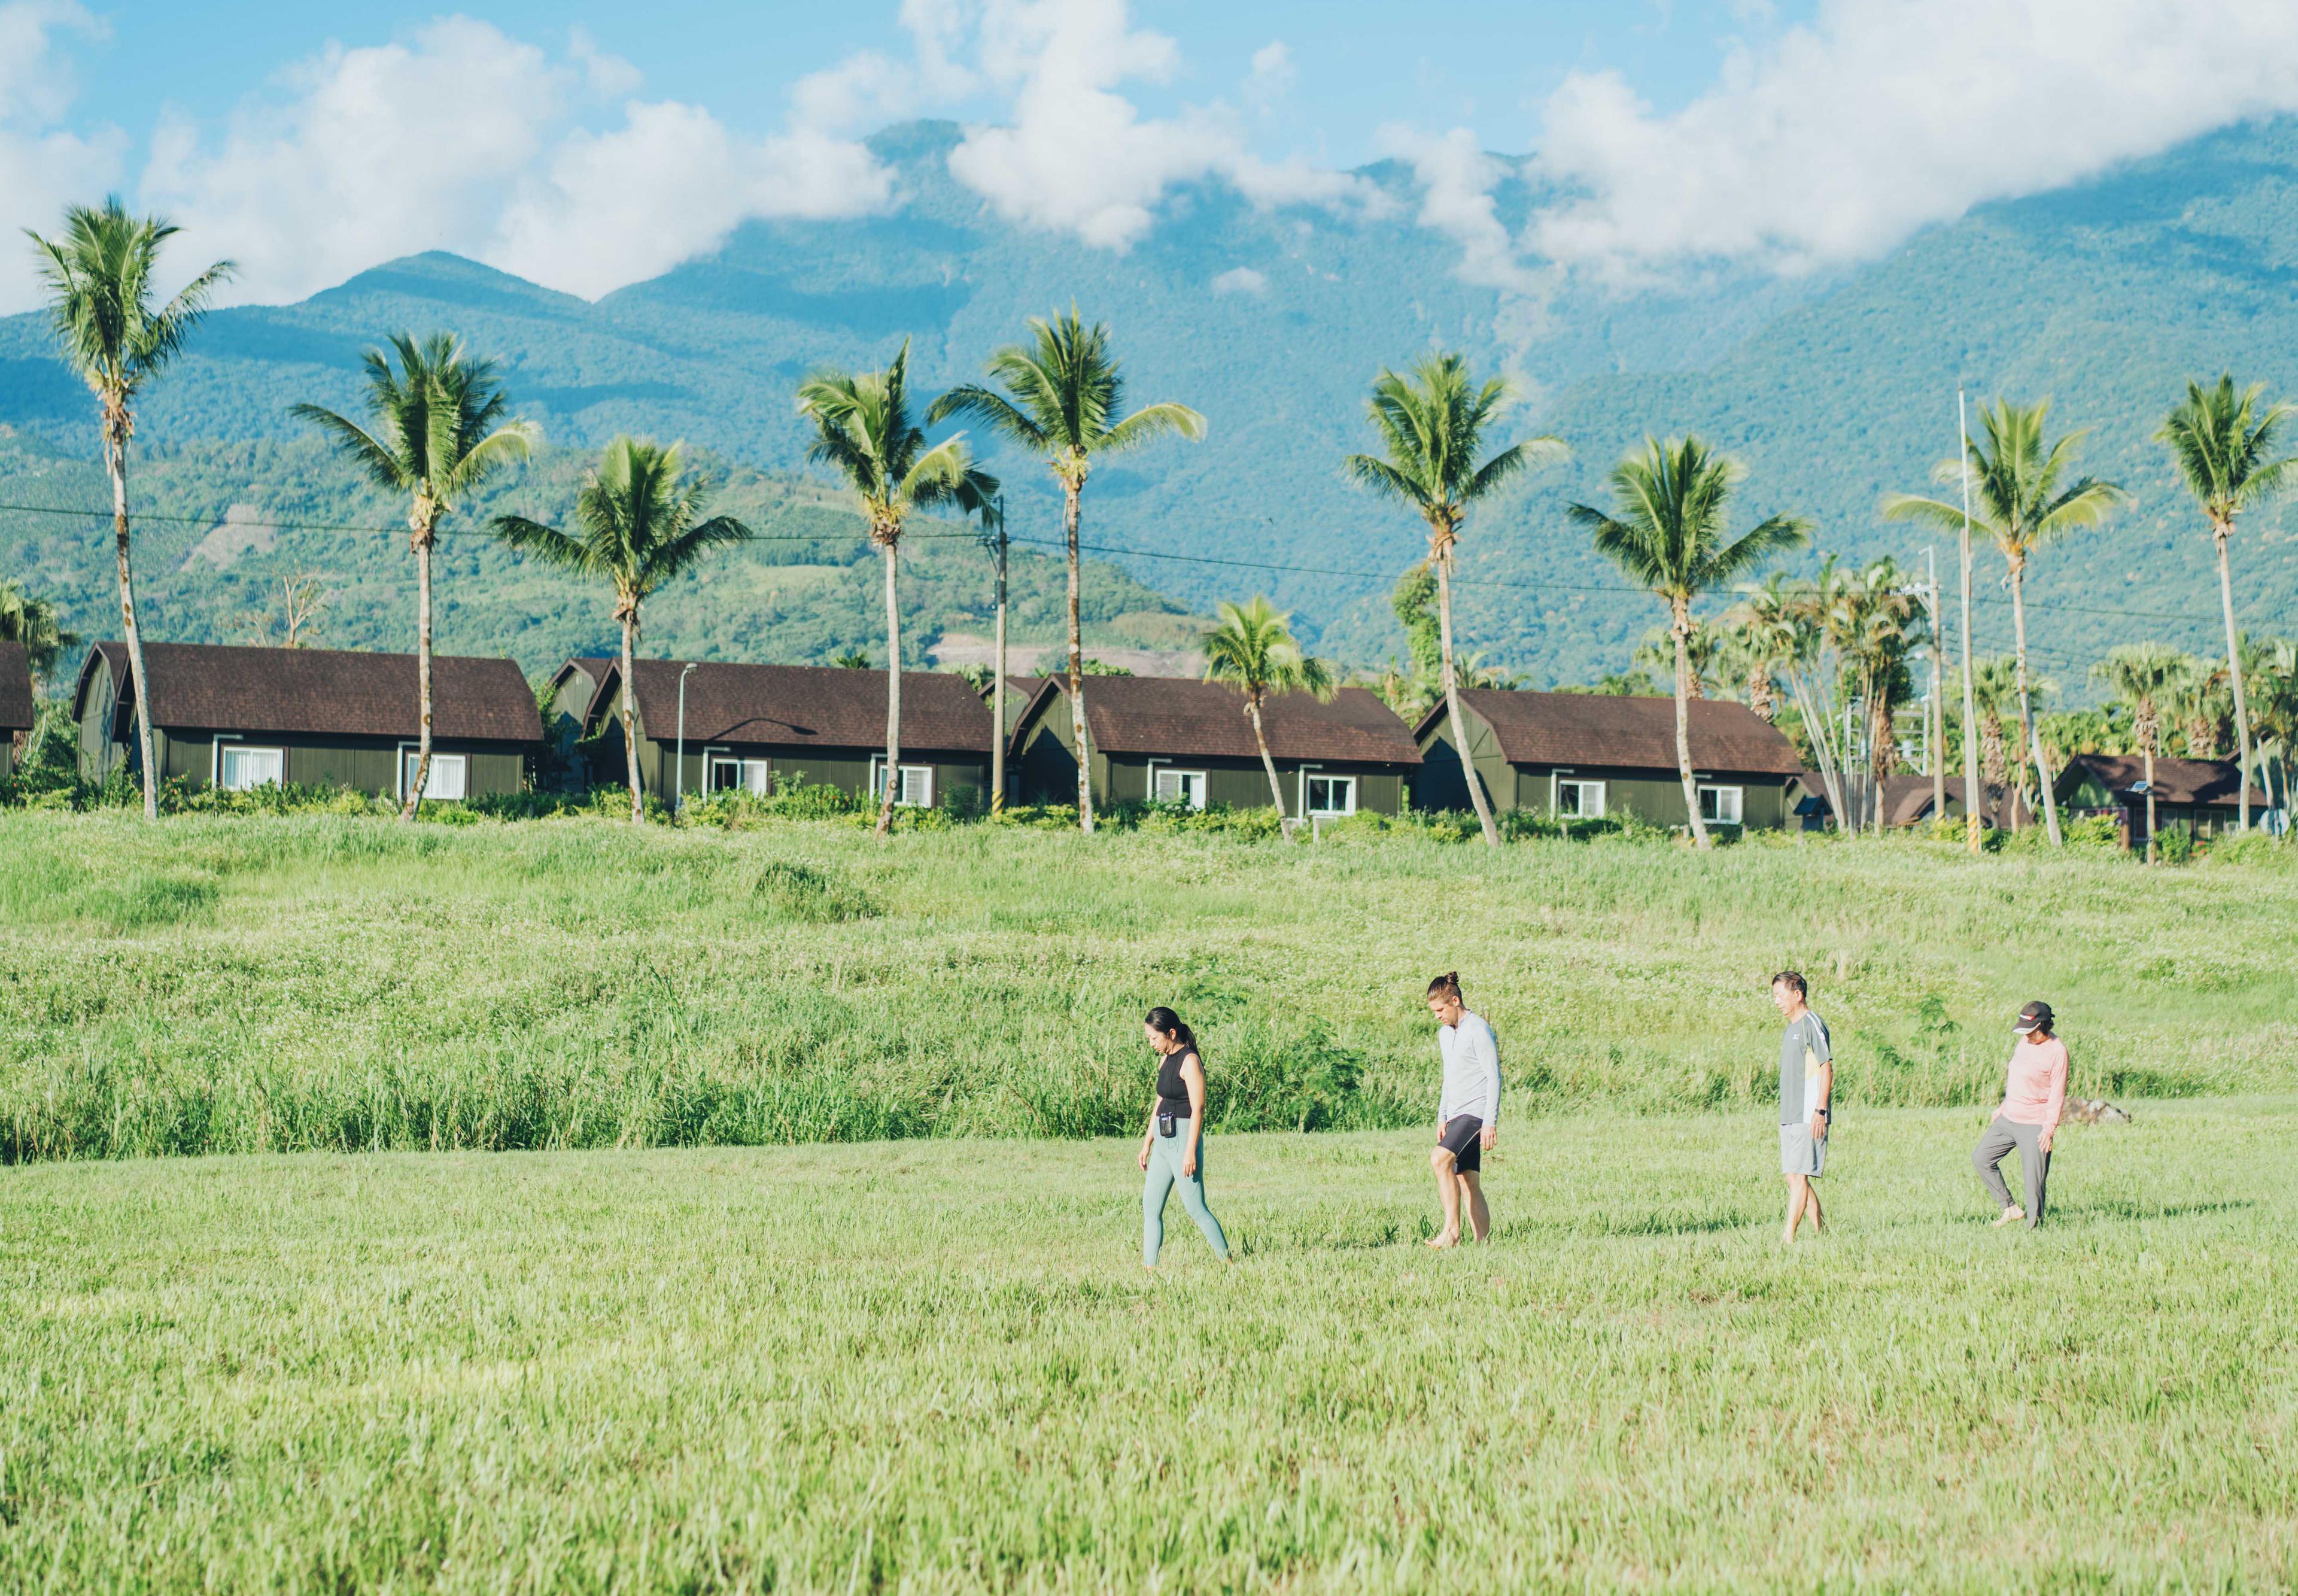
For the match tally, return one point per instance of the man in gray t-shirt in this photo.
(1806, 1086)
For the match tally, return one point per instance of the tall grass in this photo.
(936, 1367)
(251, 983)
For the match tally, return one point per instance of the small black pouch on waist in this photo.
(1167, 1122)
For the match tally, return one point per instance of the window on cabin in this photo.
(244, 769)
(1580, 800)
(1181, 787)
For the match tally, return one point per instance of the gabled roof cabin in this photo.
(1160, 738)
(754, 727)
(16, 713)
(1587, 755)
(241, 717)
(2199, 796)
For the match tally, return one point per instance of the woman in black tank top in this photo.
(1172, 1148)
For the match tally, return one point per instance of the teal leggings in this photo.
(1166, 1155)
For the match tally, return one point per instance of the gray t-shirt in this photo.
(1808, 1032)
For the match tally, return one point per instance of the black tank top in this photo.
(1173, 1091)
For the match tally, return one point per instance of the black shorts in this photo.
(1463, 1138)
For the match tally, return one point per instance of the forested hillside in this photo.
(2104, 295)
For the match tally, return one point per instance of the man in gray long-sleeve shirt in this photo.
(1467, 1111)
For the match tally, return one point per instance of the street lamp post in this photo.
(678, 799)
(996, 545)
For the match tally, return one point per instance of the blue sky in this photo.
(588, 145)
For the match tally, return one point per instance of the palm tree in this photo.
(98, 277)
(2145, 676)
(32, 622)
(2022, 506)
(1668, 534)
(441, 427)
(2200, 706)
(1062, 394)
(1994, 693)
(1252, 648)
(1886, 624)
(2220, 442)
(862, 427)
(642, 527)
(1431, 425)
(2274, 672)
(1761, 631)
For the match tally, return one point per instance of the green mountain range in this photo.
(1833, 389)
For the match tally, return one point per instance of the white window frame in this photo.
(1188, 787)
(1739, 806)
(1582, 791)
(225, 753)
(917, 784)
(437, 789)
(753, 776)
(1348, 789)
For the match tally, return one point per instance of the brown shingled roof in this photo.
(827, 707)
(2210, 782)
(15, 689)
(326, 692)
(1607, 729)
(1164, 715)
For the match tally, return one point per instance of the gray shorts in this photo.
(1799, 1154)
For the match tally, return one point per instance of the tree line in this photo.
(1841, 644)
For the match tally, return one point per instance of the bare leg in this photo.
(1447, 1195)
(1810, 1204)
(1798, 1189)
(1472, 1197)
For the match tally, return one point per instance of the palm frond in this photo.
(381, 465)
(1150, 422)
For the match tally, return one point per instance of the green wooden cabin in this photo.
(16, 711)
(242, 718)
(753, 728)
(1593, 755)
(1158, 738)
(2199, 798)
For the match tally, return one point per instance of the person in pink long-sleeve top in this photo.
(2034, 1092)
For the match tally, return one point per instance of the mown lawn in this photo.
(249, 984)
(937, 1365)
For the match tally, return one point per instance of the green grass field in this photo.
(932, 1366)
(244, 984)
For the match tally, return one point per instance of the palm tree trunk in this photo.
(2031, 753)
(630, 718)
(1814, 728)
(1070, 493)
(1680, 630)
(1276, 788)
(414, 788)
(115, 457)
(893, 694)
(2234, 676)
(1879, 751)
(1443, 564)
(1759, 696)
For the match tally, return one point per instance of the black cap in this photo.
(2035, 1016)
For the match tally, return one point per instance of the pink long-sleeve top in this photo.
(2036, 1087)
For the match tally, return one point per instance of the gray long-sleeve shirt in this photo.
(1472, 1071)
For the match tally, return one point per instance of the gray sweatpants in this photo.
(1167, 1154)
(2002, 1136)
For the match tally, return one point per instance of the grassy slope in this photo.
(246, 984)
(936, 1366)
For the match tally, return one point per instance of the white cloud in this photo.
(1241, 280)
(1834, 140)
(1456, 181)
(620, 207)
(607, 74)
(356, 164)
(43, 167)
(1271, 77)
(1078, 156)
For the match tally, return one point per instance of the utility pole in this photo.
(996, 545)
(1971, 796)
(1936, 729)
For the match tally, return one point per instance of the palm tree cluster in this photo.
(438, 423)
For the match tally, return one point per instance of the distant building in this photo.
(16, 715)
(1181, 742)
(241, 717)
(753, 728)
(2198, 796)
(1906, 801)
(1593, 755)
(566, 701)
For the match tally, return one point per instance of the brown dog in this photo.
(2095, 1111)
